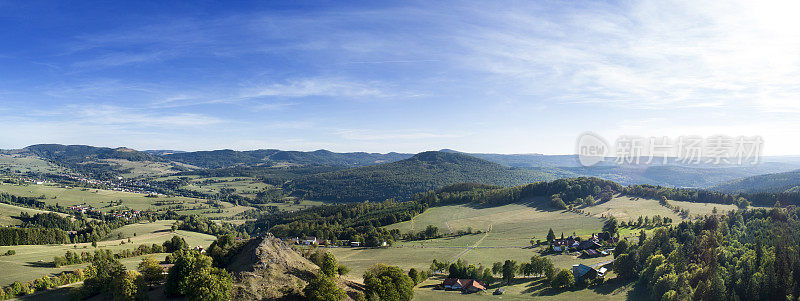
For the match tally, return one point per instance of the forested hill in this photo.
(229, 158)
(773, 183)
(400, 180)
(73, 154)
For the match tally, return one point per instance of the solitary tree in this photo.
(551, 236)
(509, 271)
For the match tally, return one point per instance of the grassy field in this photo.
(506, 234)
(243, 186)
(511, 225)
(26, 265)
(8, 212)
(626, 208)
(99, 198)
(144, 168)
(507, 231)
(23, 164)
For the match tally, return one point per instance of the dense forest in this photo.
(229, 158)
(359, 222)
(574, 191)
(400, 180)
(744, 255)
(704, 196)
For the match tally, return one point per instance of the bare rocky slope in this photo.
(269, 269)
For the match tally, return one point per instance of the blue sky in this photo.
(502, 76)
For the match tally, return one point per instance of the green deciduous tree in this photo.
(151, 271)
(323, 288)
(388, 283)
(509, 271)
(562, 279)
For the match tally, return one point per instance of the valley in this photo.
(365, 210)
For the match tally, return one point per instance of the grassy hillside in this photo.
(401, 179)
(95, 162)
(9, 214)
(773, 183)
(84, 153)
(25, 264)
(101, 199)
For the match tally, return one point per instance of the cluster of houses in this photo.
(313, 241)
(83, 208)
(590, 247)
(121, 184)
(86, 209)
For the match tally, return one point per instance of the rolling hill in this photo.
(229, 158)
(401, 179)
(772, 183)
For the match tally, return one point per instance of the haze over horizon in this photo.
(396, 77)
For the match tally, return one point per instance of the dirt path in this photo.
(475, 245)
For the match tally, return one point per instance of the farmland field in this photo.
(626, 208)
(101, 199)
(135, 169)
(23, 164)
(511, 225)
(25, 265)
(7, 212)
(506, 234)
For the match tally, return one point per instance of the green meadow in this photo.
(29, 262)
(102, 199)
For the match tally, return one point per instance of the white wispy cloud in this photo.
(318, 87)
(650, 54)
(362, 134)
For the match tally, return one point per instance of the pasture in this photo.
(625, 208)
(9, 212)
(511, 225)
(506, 234)
(103, 199)
(135, 169)
(26, 265)
(22, 164)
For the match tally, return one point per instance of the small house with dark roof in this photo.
(583, 272)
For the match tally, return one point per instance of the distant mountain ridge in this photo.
(228, 158)
(106, 162)
(771, 183)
